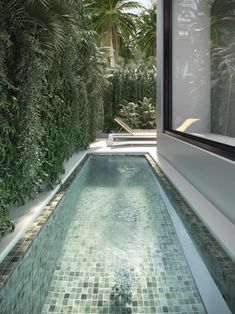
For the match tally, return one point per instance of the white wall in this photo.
(191, 65)
(212, 175)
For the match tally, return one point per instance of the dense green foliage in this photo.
(51, 94)
(127, 85)
(113, 22)
(139, 116)
(131, 42)
(126, 35)
(147, 32)
(53, 86)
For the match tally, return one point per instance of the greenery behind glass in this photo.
(223, 67)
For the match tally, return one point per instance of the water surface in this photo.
(121, 253)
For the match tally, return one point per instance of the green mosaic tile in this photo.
(23, 286)
(160, 276)
(82, 273)
(219, 264)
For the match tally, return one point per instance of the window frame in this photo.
(217, 148)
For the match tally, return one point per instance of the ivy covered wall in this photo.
(51, 95)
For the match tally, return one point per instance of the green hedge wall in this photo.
(48, 109)
(130, 85)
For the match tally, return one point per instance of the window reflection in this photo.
(204, 68)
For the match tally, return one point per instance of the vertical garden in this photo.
(61, 66)
(51, 94)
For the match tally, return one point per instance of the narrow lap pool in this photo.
(121, 237)
(114, 250)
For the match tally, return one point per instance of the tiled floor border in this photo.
(219, 264)
(14, 257)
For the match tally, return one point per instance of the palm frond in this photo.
(44, 3)
(110, 19)
(53, 19)
(147, 32)
(129, 5)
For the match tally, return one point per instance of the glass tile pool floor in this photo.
(121, 253)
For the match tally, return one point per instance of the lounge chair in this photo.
(131, 134)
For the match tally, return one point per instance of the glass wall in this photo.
(203, 69)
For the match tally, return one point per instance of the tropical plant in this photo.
(48, 20)
(112, 21)
(147, 113)
(147, 32)
(139, 116)
(130, 113)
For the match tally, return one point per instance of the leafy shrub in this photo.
(127, 85)
(139, 116)
(130, 113)
(147, 113)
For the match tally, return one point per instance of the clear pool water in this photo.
(121, 253)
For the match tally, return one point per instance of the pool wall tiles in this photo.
(26, 272)
(220, 265)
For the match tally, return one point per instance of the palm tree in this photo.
(147, 32)
(112, 21)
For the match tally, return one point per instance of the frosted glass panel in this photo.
(203, 55)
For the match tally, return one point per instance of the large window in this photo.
(200, 73)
